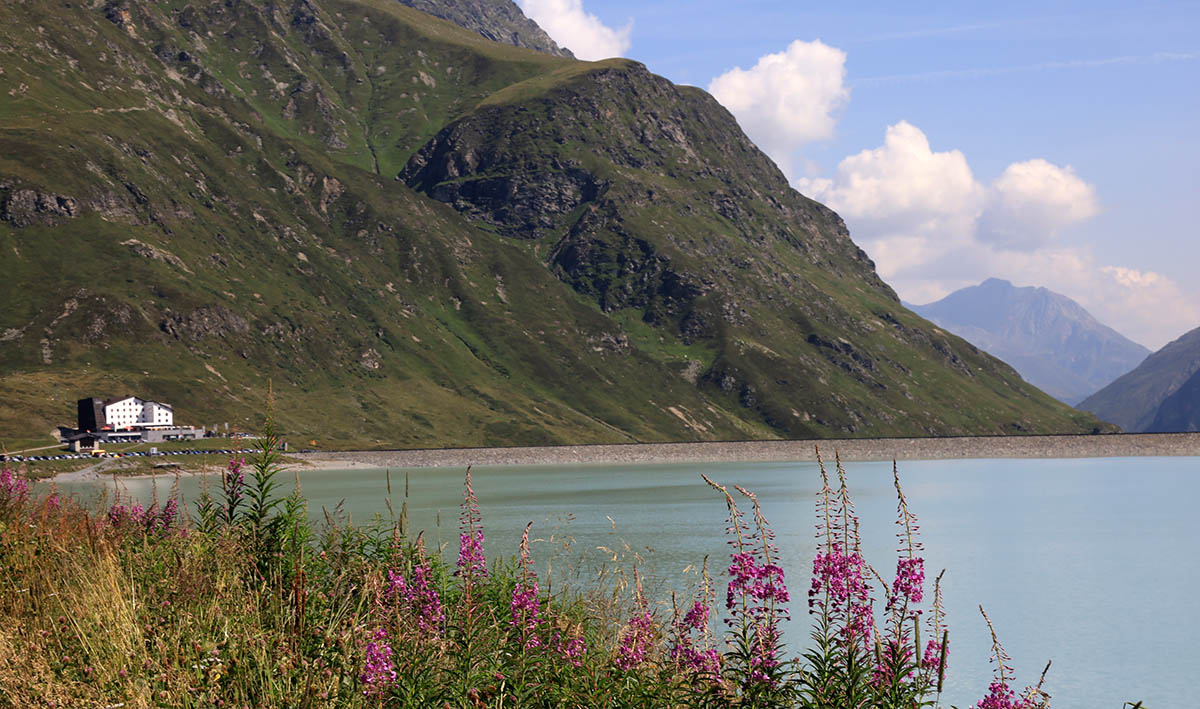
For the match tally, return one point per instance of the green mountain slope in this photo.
(196, 197)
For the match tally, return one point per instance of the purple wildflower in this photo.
(696, 654)
(572, 649)
(910, 580)
(840, 578)
(839, 589)
(636, 640)
(147, 520)
(524, 608)
(933, 656)
(379, 673)
(471, 561)
(756, 593)
(684, 651)
(1001, 697)
(13, 488)
(420, 597)
(761, 582)
(910, 568)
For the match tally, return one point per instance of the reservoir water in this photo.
(1091, 563)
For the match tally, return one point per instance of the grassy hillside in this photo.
(196, 197)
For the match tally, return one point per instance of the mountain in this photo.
(1145, 399)
(1180, 411)
(1050, 339)
(498, 20)
(425, 238)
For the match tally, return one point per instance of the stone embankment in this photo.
(858, 449)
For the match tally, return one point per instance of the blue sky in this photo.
(1052, 144)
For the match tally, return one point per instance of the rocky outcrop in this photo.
(204, 322)
(22, 206)
(497, 20)
(154, 253)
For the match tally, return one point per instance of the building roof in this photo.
(117, 400)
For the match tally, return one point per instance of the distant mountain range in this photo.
(1048, 338)
(1161, 394)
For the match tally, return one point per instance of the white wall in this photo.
(134, 411)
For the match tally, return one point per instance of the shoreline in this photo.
(101, 470)
(849, 449)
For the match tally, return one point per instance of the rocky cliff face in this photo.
(1134, 400)
(1054, 343)
(201, 196)
(497, 20)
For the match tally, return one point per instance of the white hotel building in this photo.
(132, 412)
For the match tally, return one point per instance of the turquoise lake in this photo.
(1091, 563)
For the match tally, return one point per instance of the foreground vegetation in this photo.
(245, 603)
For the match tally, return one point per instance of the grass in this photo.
(243, 602)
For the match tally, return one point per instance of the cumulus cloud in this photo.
(1031, 201)
(903, 187)
(788, 98)
(933, 228)
(583, 33)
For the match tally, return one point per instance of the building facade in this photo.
(126, 412)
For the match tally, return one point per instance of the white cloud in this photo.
(1031, 201)
(787, 99)
(903, 187)
(932, 228)
(583, 33)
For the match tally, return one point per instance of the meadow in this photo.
(243, 602)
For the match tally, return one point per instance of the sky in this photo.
(1048, 143)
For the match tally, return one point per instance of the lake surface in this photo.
(1091, 563)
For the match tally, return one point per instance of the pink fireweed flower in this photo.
(761, 582)
(471, 561)
(636, 640)
(694, 654)
(379, 673)
(571, 649)
(764, 660)
(840, 578)
(419, 598)
(910, 580)
(933, 656)
(524, 608)
(1001, 697)
(894, 652)
(13, 488)
(756, 593)
(147, 520)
